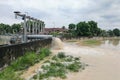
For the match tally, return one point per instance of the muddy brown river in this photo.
(103, 60)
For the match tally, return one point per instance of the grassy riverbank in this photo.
(13, 71)
(86, 42)
(90, 42)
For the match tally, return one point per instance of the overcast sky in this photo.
(62, 12)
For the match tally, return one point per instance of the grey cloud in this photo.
(37, 13)
(105, 12)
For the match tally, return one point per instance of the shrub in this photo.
(74, 67)
(77, 58)
(9, 74)
(61, 55)
(44, 53)
(25, 61)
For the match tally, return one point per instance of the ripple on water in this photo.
(73, 49)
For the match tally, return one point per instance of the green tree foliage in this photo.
(90, 29)
(83, 29)
(116, 32)
(110, 33)
(5, 28)
(72, 26)
(16, 28)
(94, 28)
(104, 33)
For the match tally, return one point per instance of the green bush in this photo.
(9, 74)
(44, 53)
(25, 61)
(55, 70)
(61, 55)
(55, 58)
(74, 67)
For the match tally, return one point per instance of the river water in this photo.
(103, 60)
(113, 44)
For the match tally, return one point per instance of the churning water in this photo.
(57, 43)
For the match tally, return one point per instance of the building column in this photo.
(29, 28)
(33, 27)
(41, 26)
(38, 27)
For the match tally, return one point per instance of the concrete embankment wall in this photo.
(11, 52)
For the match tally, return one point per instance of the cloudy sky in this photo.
(62, 12)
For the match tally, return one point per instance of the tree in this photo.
(72, 26)
(4, 28)
(99, 31)
(72, 30)
(83, 29)
(16, 28)
(63, 27)
(111, 33)
(104, 33)
(116, 32)
(94, 28)
(90, 29)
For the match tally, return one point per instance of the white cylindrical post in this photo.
(25, 30)
(41, 26)
(29, 25)
(33, 26)
(36, 26)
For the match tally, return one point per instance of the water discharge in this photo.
(103, 60)
(57, 43)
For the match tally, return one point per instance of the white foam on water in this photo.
(72, 49)
(57, 43)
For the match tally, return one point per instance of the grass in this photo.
(22, 63)
(71, 40)
(59, 66)
(90, 42)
